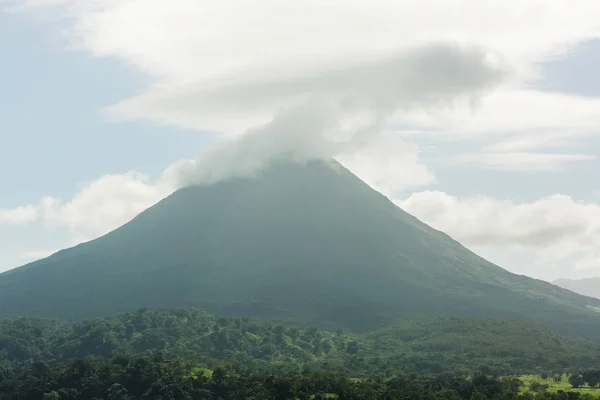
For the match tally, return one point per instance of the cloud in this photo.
(338, 113)
(186, 40)
(100, 205)
(516, 128)
(425, 77)
(543, 139)
(19, 216)
(37, 254)
(106, 203)
(232, 66)
(389, 164)
(561, 232)
(521, 161)
(519, 113)
(273, 56)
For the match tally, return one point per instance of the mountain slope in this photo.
(427, 345)
(586, 287)
(311, 243)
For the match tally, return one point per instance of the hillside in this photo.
(587, 287)
(307, 243)
(466, 345)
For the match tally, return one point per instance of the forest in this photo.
(191, 354)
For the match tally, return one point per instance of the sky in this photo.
(481, 118)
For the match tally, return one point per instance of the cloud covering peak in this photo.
(327, 114)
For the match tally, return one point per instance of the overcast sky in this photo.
(480, 117)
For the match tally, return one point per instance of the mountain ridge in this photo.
(309, 242)
(586, 287)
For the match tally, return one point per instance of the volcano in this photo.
(307, 242)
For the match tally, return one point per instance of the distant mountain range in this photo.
(587, 287)
(309, 243)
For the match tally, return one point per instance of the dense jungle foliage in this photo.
(136, 377)
(187, 353)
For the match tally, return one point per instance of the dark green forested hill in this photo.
(423, 345)
(307, 243)
(189, 354)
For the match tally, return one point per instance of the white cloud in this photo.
(230, 65)
(185, 40)
(539, 131)
(538, 116)
(106, 203)
(521, 161)
(561, 233)
(540, 140)
(338, 113)
(390, 165)
(19, 216)
(427, 77)
(37, 254)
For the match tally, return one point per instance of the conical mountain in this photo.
(307, 242)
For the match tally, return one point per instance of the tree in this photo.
(53, 395)
(512, 384)
(576, 380)
(352, 347)
(535, 386)
(478, 396)
(117, 392)
(591, 377)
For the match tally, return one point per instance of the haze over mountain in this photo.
(587, 287)
(307, 242)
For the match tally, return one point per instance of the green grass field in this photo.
(554, 387)
(200, 371)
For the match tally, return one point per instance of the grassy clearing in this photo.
(554, 387)
(199, 371)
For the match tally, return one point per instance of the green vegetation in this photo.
(427, 345)
(494, 345)
(155, 378)
(558, 382)
(125, 378)
(299, 243)
(404, 311)
(186, 353)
